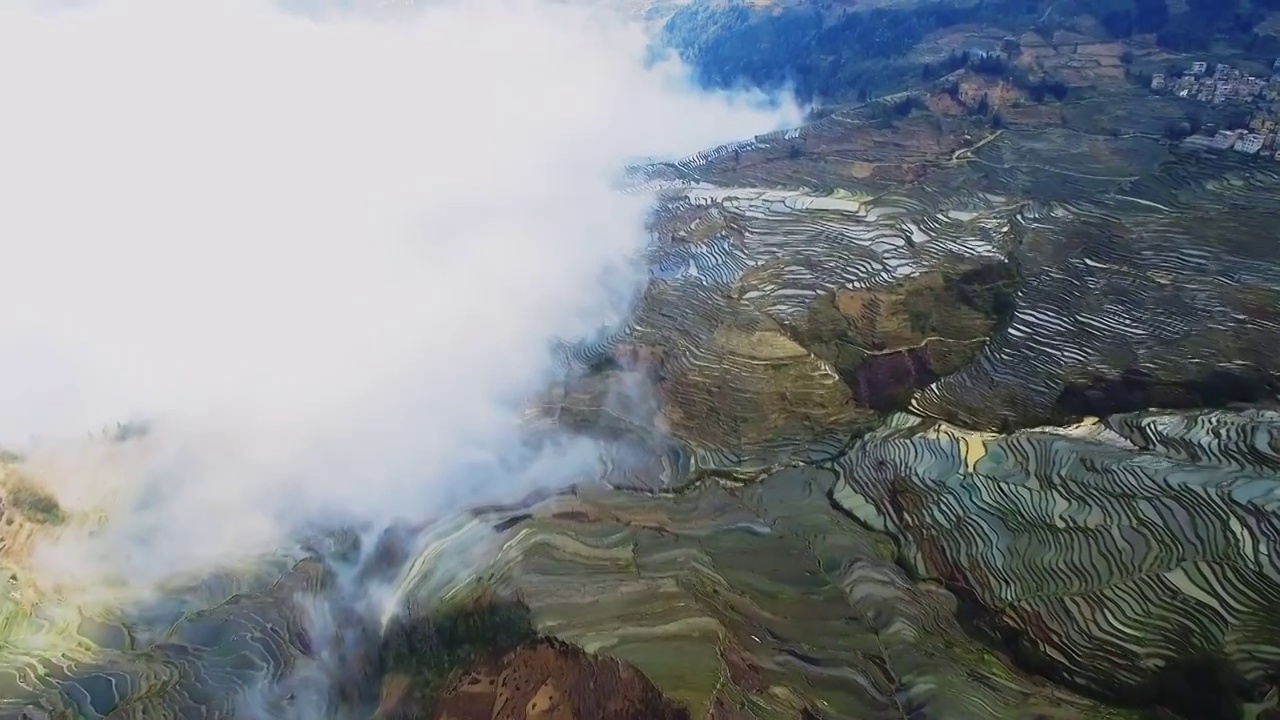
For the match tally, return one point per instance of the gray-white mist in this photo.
(322, 257)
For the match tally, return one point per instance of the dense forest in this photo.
(837, 55)
(857, 56)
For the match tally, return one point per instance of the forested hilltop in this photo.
(829, 51)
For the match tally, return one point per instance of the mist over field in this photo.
(321, 256)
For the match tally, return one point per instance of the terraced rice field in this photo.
(1013, 284)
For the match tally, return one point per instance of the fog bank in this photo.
(322, 258)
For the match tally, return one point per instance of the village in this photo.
(1231, 85)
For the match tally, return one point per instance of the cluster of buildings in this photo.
(1228, 84)
(1242, 141)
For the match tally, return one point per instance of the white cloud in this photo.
(327, 255)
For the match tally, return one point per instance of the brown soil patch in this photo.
(1000, 93)
(553, 680)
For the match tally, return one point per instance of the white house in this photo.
(1249, 144)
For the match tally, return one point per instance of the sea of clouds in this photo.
(321, 252)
